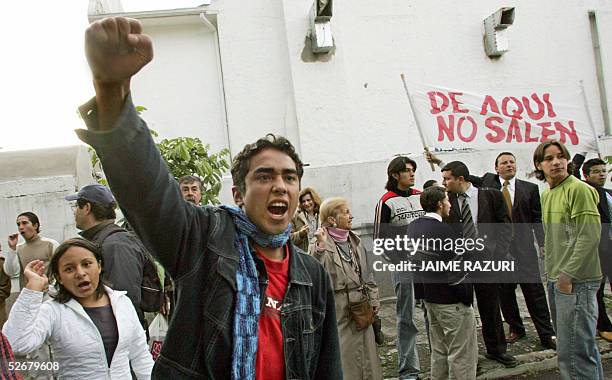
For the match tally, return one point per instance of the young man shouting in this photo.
(249, 305)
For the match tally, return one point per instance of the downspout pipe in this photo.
(214, 30)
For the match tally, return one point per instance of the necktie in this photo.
(507, 198)
(469, 230)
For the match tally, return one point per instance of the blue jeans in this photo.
(574, 319)
(408, 359)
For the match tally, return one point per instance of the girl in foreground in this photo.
(93, 330)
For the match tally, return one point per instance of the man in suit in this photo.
(482, 213)
(595, 173)
(522, 200)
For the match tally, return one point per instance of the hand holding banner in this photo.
(416, 120)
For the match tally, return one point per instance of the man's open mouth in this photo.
(278, 208)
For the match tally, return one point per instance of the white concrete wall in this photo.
(260, 97)
(181, 88)
(37, 181)
(354, 98)
(347, 112)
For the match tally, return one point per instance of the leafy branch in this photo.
(184, 156)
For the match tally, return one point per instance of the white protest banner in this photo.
(502, 119)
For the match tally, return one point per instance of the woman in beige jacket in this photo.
(344, 257)
(306, 219)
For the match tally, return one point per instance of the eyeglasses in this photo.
(73, 205)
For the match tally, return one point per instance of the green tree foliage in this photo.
(185, 156)
(189, 156)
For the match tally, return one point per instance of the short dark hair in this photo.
(190, 179)
(431, 197)
(457, 169)
(99, 211)
(586, 168)
(242, 161)
(538, 157)
(396, 166)
(429, 183)
(64, 295)
(504, 154)
(32, 218)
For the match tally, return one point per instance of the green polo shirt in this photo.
(572, 227)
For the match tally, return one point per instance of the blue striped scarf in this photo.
(248, 298)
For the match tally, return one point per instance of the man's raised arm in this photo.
(139, 178)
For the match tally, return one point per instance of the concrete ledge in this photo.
(37, 186)
(45, 163)
(533, 363)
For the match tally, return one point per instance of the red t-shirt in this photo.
(270, 364)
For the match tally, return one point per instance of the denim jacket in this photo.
(196, 246)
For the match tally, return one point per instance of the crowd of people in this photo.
(278, 285)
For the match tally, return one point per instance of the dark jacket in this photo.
(5, 292)
(5, 283)
(605, 241)
(526, 219)
(493, 221)
(196, 246)
(436, 286)
(493, 224)
(605, 244)
(123, 260)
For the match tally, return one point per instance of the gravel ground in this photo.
(531, 355)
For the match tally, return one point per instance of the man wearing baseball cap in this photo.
(94, 193)
(124, 256)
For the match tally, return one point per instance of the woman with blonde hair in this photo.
(342, 254)
(306, 219)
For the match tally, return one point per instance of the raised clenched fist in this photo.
(116, 49)
(12, 241)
